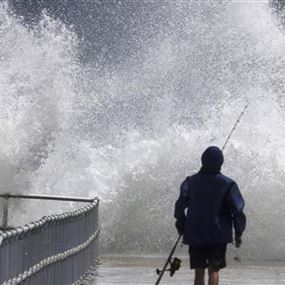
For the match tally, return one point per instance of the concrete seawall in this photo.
(141, 271)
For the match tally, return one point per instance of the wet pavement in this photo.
(141, 271)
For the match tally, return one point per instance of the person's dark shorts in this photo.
(213, 256)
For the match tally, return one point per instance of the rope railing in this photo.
(55, 250)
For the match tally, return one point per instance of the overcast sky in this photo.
(110, 30)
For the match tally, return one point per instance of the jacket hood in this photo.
(212, 158)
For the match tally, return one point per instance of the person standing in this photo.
(214, 208)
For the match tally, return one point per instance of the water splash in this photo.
(130, 133)
(38, 84)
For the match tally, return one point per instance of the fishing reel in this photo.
(174, 266)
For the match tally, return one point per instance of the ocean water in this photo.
(130, 128)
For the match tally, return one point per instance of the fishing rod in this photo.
(237, 258)
(234, 127)
(176, 262)
(174, 265)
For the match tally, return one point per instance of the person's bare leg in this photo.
(199, 276)
(213, 276)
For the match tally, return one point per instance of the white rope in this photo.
(50, 260)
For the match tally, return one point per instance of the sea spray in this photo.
(130, 132)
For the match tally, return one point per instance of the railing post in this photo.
(5, 213)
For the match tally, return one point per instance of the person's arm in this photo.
(236, 204)
(180, 206)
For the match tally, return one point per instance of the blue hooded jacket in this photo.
(214, 204)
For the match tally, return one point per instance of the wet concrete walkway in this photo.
(142, 272)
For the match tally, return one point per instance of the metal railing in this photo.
(55, 250)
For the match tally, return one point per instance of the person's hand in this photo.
(179, 227)
(238, 242)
